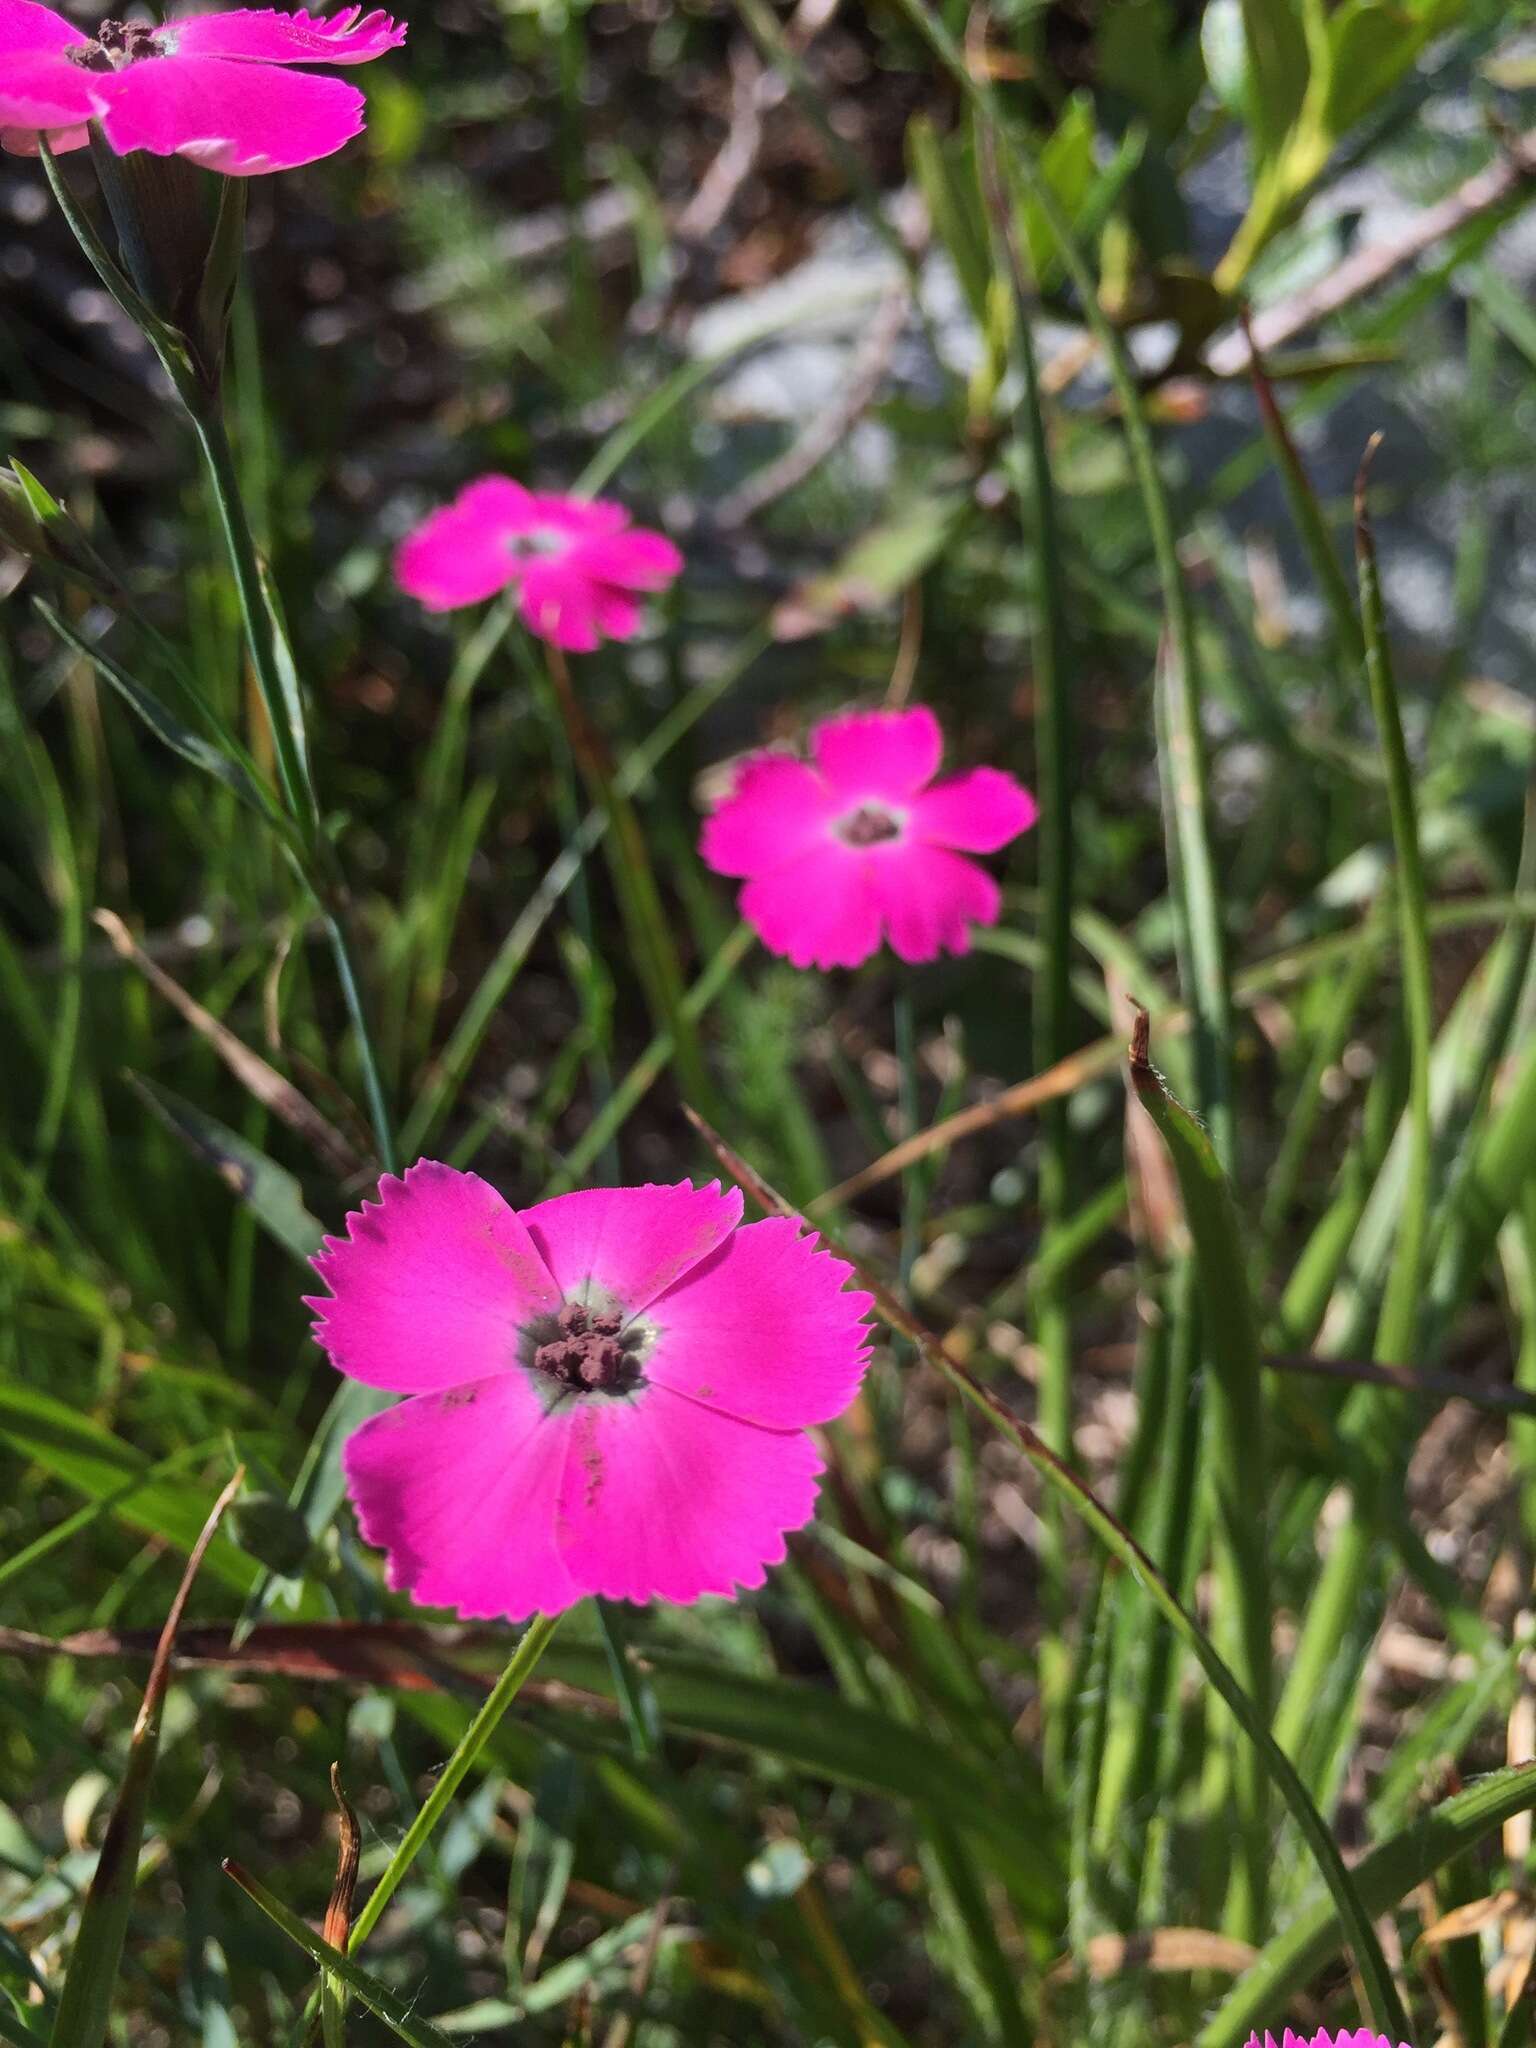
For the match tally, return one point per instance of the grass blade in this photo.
(393, 2011)
(1122, 1545)
(85, 2003)
(1388, 1873)
(1231, 1343)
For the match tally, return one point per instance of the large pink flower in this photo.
(211, 87)
(576, 562)
(609, 1391)
(860, 841)
(1361, 2037)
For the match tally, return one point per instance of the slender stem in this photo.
(284, 711)
(373, 1085)
(530, 1649)
(1040, 525)
(278, 683)
(1405, 1283)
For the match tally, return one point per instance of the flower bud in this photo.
(37, 526)
(179, 236)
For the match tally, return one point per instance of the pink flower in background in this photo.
(609, 1391)
(211, 87)
(860, 842)
(576, 562)
(1362, 2037)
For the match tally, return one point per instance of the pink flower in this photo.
(576, 562)
(609, 1391)
(209, 86)
(1362, 2037)
(860, 842)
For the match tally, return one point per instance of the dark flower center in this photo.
(118, 43)
(868, 826)
(591, 1352)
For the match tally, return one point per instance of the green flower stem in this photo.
(271, 658)
(530, 1649)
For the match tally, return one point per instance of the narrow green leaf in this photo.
(392, 2010)
(166, 727)
(85, 2003)
(1240, 1478)
(1387, 1874)
(268, 1190)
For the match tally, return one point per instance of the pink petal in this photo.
(240, 119)
(350, 37)
(879, 753)
(498, 501)
(663, 1499)
(456, 556)
(627, 1245)
(976, 813)
(430, 1284)
(616, 613)
(23, 141)
(930, 898)
(778, 809)
(765, 1330)
(817, 911)
(461, 1489)
(579, 518)
(42, 90)
(635, 559)
(24, 26)
(559, 604)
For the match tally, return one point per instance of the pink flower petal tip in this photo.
(860, 843)
(607, 1393)
(577, 564)
(1360, 2037)
(212, 87)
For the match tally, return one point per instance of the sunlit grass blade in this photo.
(86, 2001)
(1239, 1478)
(1122, 1545)
(1382, 1877)
(1400, 1310)
(394, 2011)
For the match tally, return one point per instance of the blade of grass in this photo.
(1183, 764)
(438, 1094)
(393, 2011)
(1405, 1281)
(1238, 1463)
(85, 2004)
(1053, 1005)
(1381, 1877)
(1122, 1545)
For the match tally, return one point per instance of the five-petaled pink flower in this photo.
(576, 562)
(211, 87)
(609, 1391)
(1360, 2037)
(860, 841)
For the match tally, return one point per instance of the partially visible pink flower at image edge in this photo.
(860, 843)
(215, 88)
(1361, 2037)
(608, 1392)
(579, 567)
